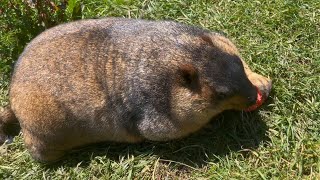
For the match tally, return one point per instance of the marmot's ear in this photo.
(188, 75)
(207, 39)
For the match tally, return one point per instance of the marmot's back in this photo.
(82, 49)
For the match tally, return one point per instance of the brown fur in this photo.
(9, 125)
(124, 80)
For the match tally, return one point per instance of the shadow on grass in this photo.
(230, 131)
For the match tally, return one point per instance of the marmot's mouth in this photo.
(258, 103)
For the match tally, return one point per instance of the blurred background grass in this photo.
(279, 39)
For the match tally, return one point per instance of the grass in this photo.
(281, 140)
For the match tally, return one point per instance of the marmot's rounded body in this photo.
(124, 80)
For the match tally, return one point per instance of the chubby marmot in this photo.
(123, 80)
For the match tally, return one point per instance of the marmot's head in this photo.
(213, 80)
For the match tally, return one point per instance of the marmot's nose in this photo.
(252, 100)
(251, 95)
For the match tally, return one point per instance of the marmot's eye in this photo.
(222, 92)
(221, 95)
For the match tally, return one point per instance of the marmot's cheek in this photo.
(258, 103)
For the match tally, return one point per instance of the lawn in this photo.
(281, 140)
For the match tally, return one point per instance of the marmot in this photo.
(123, 80)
